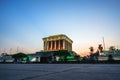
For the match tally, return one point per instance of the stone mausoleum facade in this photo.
(57, 42)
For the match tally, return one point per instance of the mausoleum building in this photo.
(57, 42)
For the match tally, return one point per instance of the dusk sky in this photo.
(23, 23)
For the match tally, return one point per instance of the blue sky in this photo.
(23, 23)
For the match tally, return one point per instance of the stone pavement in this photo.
(59, 71)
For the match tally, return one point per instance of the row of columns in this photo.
(57, 45)
(68, 46)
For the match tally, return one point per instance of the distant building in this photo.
(57, 42)
(6, 58)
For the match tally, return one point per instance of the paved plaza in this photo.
(59, 71)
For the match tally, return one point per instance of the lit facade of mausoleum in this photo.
(57, 42)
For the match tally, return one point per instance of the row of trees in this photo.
(94, 56)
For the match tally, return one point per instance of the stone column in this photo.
(47, 44)
(44, 45)
(67, 45)
(55, 45)
(51, 45)
(59, 44)
(63, 44)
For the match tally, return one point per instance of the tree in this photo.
(96, 55)
(19, 56)
(91, 49)
(37, 59)
(100, 48)
(77, 57)
(111, 49)
(63, 54)
(110, 56)
(91, 54)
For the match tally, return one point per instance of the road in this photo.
(59, 71)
